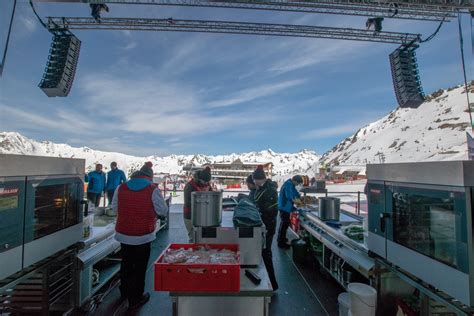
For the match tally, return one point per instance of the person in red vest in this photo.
(199, 182)
(138, 203)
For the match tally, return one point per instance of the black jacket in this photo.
(266, 199)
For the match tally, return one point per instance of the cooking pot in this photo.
(329, 208)
(206, 208)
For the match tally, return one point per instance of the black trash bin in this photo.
(300, 250)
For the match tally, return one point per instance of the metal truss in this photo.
(431, 10)
(231, 28)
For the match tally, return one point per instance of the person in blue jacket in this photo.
(288, 194)
(96, 184)
(115, 177)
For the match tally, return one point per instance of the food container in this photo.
(305, 181)
(206, 208)
(329, 208)
(197, 277)
(295, 222)
(363, 299)
(320, 184)
(344, 304)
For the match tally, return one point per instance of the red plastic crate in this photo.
(182, 277)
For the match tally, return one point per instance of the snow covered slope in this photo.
(284, 163)
(434, 131)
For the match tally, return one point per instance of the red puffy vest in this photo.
(136, 215)
(196, 187)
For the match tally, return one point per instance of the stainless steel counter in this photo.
(251, 300)
(350, 251)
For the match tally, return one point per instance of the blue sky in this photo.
(144, 93)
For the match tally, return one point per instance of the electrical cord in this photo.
(429, 38)
(461, 44)
(39, 19)
(97, 299)
(2, 65)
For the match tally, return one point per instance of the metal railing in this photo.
(234, 193)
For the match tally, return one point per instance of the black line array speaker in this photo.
(61, 66)
(406, 80)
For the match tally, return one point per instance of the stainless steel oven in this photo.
(420, 219)
(40, 208)
(12, 201)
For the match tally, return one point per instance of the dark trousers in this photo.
(133, 271)
(110, 195)
(284, 224)
(270, 223)
(94, 198)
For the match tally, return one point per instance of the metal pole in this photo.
(358, 202)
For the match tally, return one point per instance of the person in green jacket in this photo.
(266, 200)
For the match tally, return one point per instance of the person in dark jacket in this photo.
(266, 200)
(115, 177)
(138, 203)
(288, 194)
(200, 182)
(96, 185)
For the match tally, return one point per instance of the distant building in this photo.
(190, 169)
(344, 173)
(236, 171)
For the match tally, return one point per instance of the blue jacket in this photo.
(96, 182)
(287, 194)
(114, 179)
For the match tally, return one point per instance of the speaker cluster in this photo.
(405, 76)
(61, 66)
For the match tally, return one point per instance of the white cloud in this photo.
(325, 132)
(29, 23)
(251, 94)
(167, 108)
(304, 53)
(130, 42)
(187, 54)
(130, 45)
(60, 120)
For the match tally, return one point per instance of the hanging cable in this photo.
(39, 19)
(429, 38)
(2, 65)
(461, 43)
(472, 40)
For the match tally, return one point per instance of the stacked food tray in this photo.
(181, 269)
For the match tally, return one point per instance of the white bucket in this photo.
(363, 299)
(344, 304)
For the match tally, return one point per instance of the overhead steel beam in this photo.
(403, 6)
(231, 28)
(336, 7)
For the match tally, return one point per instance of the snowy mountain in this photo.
(434, 131)
(304, 161)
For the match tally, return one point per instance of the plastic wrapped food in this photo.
(203, 255)
(354, 232)
(310, 200)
